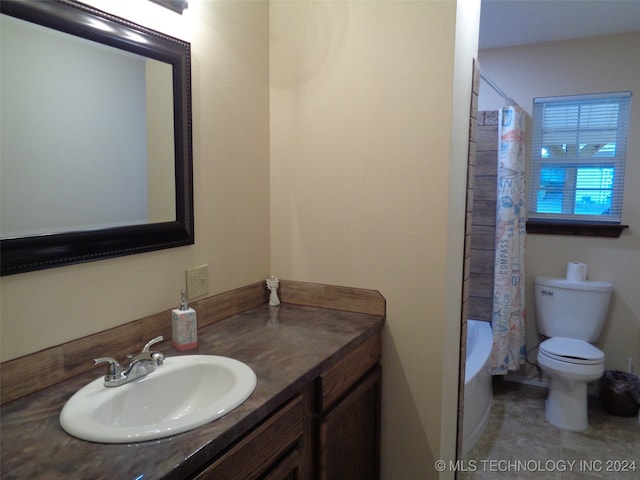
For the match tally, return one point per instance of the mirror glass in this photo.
(70, 159)
(96, 139)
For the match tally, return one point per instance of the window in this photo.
(578, 157)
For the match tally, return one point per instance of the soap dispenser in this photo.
(184, 325)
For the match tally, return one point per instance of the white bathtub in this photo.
(477, 383)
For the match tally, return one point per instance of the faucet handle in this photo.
(158, 358)
(114, 366)
(152, 342)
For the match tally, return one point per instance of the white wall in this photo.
(230, 51)
(466, 50)
(598, 64)
(368, 182)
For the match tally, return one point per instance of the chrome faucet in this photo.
(140, 365)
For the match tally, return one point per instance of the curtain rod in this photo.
(498, 90)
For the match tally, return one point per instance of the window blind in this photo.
(579, 149)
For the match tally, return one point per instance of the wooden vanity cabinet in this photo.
(330, 431)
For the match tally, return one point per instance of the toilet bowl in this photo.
(571, 314)
(570, 364)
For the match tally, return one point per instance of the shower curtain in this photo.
(508, 317)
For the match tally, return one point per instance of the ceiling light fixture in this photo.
(177, 6)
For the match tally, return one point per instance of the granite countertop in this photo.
(287, 347)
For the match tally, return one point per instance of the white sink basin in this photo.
(182, 394)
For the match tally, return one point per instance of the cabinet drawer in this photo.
(339, 378)
(287, 469)
(256, 452)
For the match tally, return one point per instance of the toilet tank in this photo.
(571, 309)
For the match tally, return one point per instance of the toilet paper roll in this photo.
(576, 272)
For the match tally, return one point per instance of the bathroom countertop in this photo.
(287, 347)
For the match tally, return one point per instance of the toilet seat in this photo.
(571, 350)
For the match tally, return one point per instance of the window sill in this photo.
(555, 227)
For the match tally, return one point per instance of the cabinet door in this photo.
(350, 434)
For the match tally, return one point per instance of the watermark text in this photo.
(496, 465)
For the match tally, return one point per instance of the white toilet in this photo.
(572, 314)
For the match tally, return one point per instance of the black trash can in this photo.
(618, 392)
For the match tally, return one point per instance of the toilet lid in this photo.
(571, 350)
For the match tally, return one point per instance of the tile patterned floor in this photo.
(518, 443)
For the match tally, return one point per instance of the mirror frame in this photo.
(24, 254)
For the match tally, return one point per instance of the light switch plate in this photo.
(197, 281)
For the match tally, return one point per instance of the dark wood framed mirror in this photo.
(22, 250)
